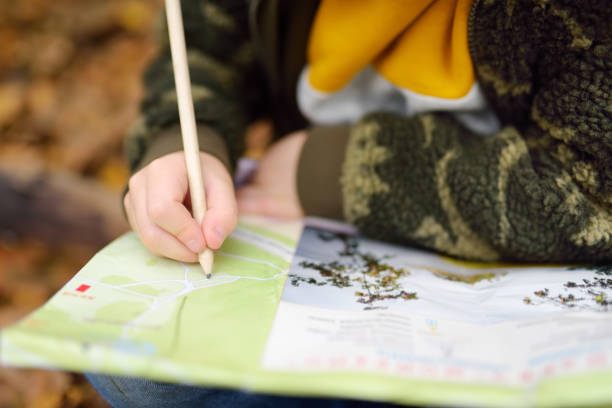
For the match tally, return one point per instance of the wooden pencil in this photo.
(188, 123)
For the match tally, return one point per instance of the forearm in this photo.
(427, 181)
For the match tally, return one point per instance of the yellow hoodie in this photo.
(405, 56)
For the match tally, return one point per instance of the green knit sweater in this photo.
(538, 190)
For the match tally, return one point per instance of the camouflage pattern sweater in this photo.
(538, 190)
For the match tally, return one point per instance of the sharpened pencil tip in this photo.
(206, 260)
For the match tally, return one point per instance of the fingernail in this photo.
(194, 245)
(219, 235)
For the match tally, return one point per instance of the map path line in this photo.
(244, 258)
(125, 285)
(120, 288)
(185, 280)
(186, 276)
(267, 244)
(244, 277)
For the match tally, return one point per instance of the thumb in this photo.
(218, 224)
(222, 212)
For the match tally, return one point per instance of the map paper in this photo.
(345, 316)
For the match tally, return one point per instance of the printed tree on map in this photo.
(587, 293)
(376, 280)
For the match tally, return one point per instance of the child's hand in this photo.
(157, 207)
(273, 191)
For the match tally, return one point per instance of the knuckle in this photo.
(160, 164)
(156, 165)
(133, 183)
(137, 180)
(157, 210)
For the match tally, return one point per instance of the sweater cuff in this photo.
(319, 171)
(169, 140)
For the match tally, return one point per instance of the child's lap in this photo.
(127, 392)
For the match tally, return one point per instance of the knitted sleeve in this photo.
(538, 190)
(224, 77)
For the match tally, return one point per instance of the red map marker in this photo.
(83, 288)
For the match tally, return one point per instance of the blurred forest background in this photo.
(69, 89)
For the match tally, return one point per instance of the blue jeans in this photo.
(126, 392)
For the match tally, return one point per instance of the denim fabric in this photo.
(126, 392)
